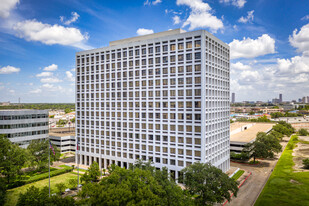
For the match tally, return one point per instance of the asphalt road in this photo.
(251, 189)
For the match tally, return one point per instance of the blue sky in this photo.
(269, 41)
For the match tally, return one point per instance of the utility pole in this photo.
(49, 165)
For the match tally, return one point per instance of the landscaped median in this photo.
(238, 174)
(284, 186)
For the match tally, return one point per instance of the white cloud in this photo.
(250, 48)
(44, 74)
(12, 91)
(32, 30)
(240, 66)
(148, 2)
(36, 91)
(51, 80)
(176, 19)
(6, 6)
(156, 2)
(49, 86)
(300, 40)
(237, 3)
(295, 65)
(51, 68)
(249, 76)
(9, 70)
(73, 18)
(305, 17)
(263, 80)
(70, 76)
(142, 31)
(200, 16)
(248, 18)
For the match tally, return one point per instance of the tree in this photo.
(67, 110)
(284, 128)
(270, 140)
(62, 122)
(2, 191)
(36, 197)
(208, 184)
(73, 120)
(261, 119)
(171, 191)
(306, 163)
(263, 147)
(132, 187)
(12, 158)
(38, 150)
(276, 115)
(276, 134)
(303, 132)
(92, 174)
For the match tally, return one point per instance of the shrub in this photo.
(61, 187)
(239, 156)
(306, 163)
(73, 183)
(38, 178)
(303, 132)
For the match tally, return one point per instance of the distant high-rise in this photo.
(280, 98)
(275, 101)
(233, 97)
(305, 99)
(162, 97)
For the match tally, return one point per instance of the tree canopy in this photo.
(38, 150)
(303, 132)
(41, 106)
(12, 158)
(134, 187)
(92, 174)
(2, 191)
(36, 197)
(208, 184)
(263, 147)
(284, 128)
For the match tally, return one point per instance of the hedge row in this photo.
(39, 177)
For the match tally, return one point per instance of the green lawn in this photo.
(238, 174)
(284, 186)
(12, 195)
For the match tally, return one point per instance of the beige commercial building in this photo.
(245, 132)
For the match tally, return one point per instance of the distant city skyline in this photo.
(39, 39)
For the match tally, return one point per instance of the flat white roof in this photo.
(145, 37)
(155, 36)
(249, 134)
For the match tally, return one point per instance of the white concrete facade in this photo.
(162, 98)
(64, 143)
(22, 126)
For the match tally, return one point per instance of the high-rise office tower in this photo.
(233, 97)
(280, 98)
(162, 97)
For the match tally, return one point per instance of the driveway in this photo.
(251, 189)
